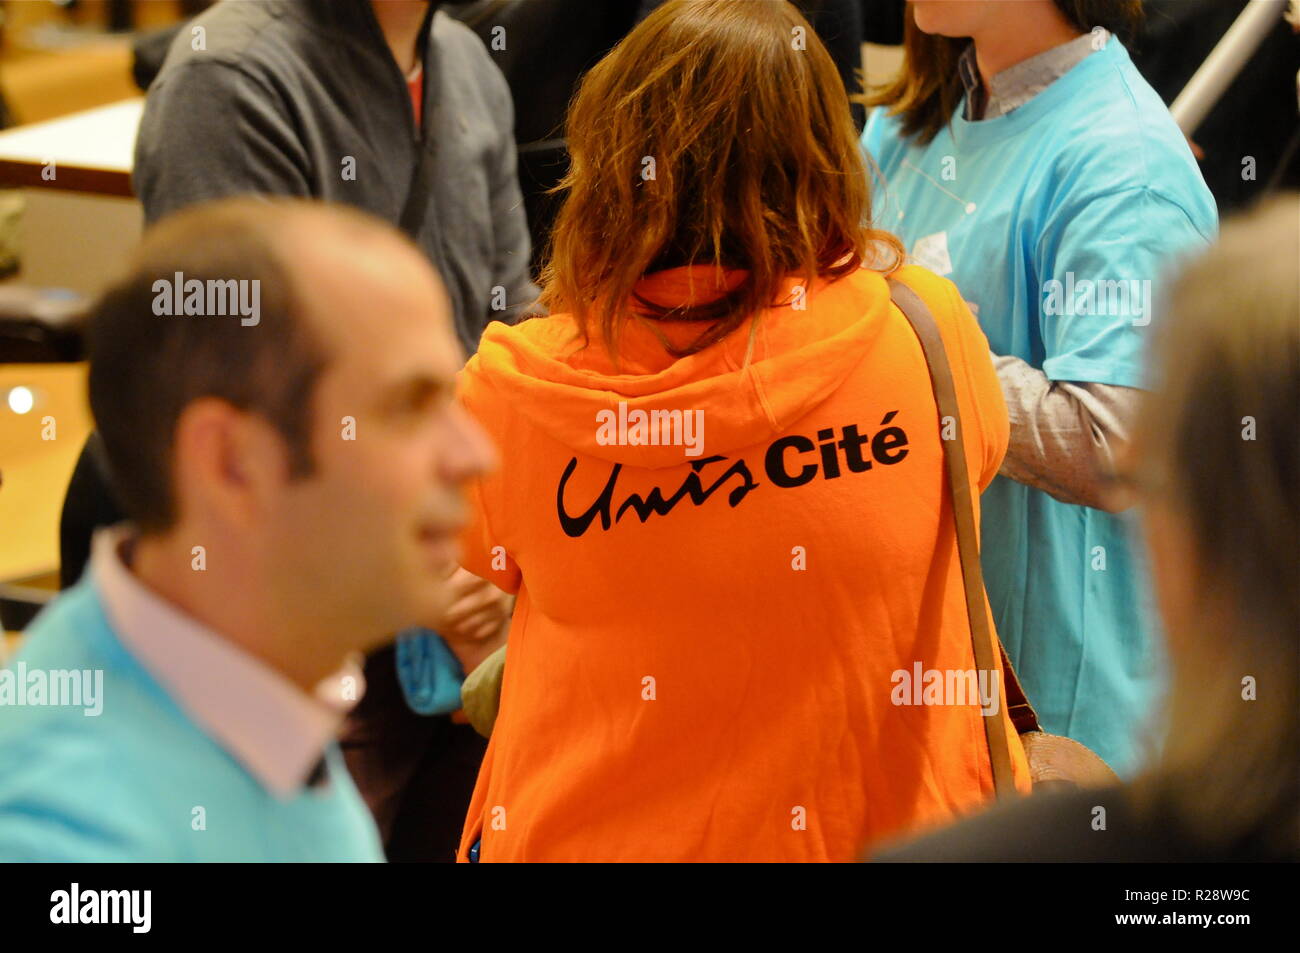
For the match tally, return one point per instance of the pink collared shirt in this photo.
(273, 728)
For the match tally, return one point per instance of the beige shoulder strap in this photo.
(988, 654)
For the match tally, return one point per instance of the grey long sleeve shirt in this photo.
(303, 98)
(1064, 435)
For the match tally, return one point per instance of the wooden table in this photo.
(80, 221)
(89, 152)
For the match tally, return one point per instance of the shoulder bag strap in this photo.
(989, 655)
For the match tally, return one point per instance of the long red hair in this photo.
(717, 131)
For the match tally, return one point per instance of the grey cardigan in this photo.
(303, 98)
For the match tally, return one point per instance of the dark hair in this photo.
(927, 90)
(757, 167)
(145, 367)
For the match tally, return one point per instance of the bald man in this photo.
(273, 384)
(394, 108)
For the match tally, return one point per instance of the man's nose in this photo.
(469, 452)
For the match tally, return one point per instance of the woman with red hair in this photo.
(721, 498)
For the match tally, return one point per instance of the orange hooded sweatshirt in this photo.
(730, 612)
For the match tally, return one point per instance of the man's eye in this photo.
(423, 400)
(419, 402)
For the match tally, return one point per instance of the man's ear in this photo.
(227, 463)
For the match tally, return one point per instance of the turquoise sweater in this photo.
(141, 781)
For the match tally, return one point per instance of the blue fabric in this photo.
(1090, 181)
(140, 781)
(429, 673)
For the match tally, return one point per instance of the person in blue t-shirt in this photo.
(273, 386)
(1022, 155)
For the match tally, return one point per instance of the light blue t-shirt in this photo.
(1059, 222)
(140, 781)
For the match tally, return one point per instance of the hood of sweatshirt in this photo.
(654, 410)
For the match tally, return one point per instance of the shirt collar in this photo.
(274, 729)
(1017, 85)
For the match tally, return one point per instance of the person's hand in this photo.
(477, 619)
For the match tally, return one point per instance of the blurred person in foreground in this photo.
(291, 472)
(1215, 465)
(712, 618)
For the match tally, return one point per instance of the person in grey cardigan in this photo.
(306, 98)
(397, 109)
